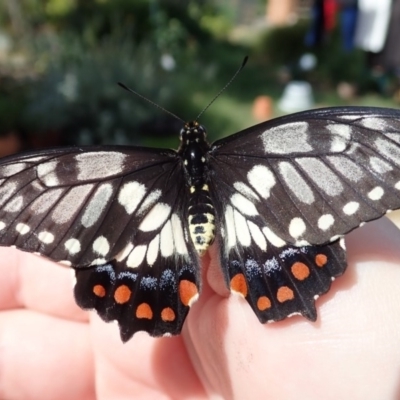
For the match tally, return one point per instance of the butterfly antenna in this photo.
(149, 101)
(225, 87)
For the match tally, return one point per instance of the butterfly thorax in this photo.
(201, 214)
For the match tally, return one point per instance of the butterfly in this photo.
(134, 222)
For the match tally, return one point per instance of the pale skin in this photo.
(50, 349)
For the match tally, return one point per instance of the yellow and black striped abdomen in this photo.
(201, 218)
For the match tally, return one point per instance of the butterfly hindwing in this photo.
(276, 278)
(282, 282)
(152, 299)
(313, 176)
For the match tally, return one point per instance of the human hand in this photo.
(50, 349)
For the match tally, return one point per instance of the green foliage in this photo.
(282, 45)
(12, 103)
(78, 95)
(81, 48)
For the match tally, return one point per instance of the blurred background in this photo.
(60, 61)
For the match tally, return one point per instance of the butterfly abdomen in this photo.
(201, 218)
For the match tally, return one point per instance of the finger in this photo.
(36, 283)
(144, 367)
(358, 320)
(44, 357)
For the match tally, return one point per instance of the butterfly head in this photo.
(193, 132)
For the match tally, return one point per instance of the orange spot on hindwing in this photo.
(239, 285)
(300, 271)
(122, 294)
(144, 311)
(284, 294)
(188, 292)
(99, 290)
(321, 260)
(168, 314)
(263, 303)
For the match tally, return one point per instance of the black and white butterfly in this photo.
(278, 197)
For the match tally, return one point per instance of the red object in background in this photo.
(330, 10)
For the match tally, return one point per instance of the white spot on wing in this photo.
(11, 169)
(230, 228)
(166, 240)
(98, 261)
(241, 228)
(325, 222)
(262, 180)
(351, 207)
(273, 238)
(395, 136)
(97, 205)
(155, 218)
(130, 195)
(6, 191)
(179, 239)
(150, 200)
(2, 225)
(244, 205)
(15, 204)
(342, 130)
(257, 236)
(297, 227)
(136, 257)
(323, 177)
(287, 138)
(46, 173)
(379, 165)
(376, 193)
(73, 246)
(374, 123)
(100, 164)
(70, 204)
(301, 243)
(46, 237)
(347, 168)
(341, 136)
(152, 251)
(46, 201)
(388, 149)
(22, 229)
(298, 186)
(245, 190)
(397, 185)
(101, 246)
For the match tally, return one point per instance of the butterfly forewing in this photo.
(313, 176)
